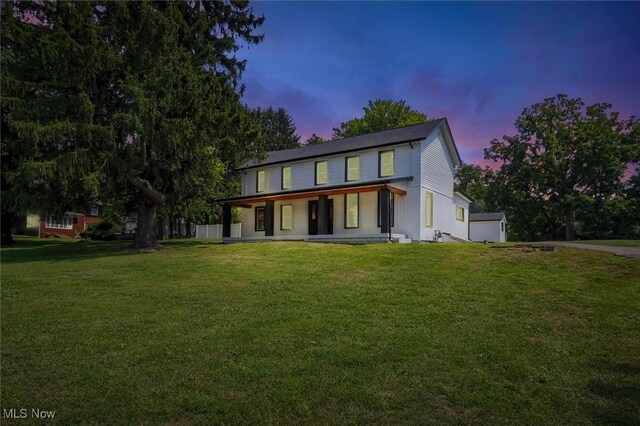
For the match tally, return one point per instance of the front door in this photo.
(313, 217)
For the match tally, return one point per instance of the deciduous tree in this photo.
(472, 181)
(381, 114)
(567, 158)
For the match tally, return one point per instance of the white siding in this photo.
(428, 162)
(300, 218)
(444, 216)
(248, 222)
(437, 171)
(404, 217)
(459, 228)
(488, 231)
(303, 172)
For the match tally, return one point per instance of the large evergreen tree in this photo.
(110, 99)
(277, 130)
(315, 140)
(381, 114)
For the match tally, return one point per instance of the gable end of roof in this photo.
(487, 217)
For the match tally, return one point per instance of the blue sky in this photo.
(478, 64)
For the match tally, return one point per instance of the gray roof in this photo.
(486, 217)
(412, 133)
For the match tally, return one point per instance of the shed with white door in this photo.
(489, 227)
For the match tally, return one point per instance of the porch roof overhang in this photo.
(370, 186)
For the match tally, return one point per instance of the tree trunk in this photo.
(150, 201)
(162, 228)
(6, 225)
(188, 229)
(146, 230)
(569, 224)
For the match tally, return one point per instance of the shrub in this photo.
(99, 231)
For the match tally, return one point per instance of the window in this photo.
(351, 210)
(286, 177)
(352, 168)
(502, 226)
(59, 223)
(386, 166)
(260, 218)
(428, 210)
(94, 211)
(460, 213)
(286, 217)
(260, 181)
(392, 200)
(322, 172)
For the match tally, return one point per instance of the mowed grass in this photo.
(282, 333)
(613, 243)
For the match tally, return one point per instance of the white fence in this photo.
(215, 231)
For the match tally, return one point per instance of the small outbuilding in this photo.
(489, 227)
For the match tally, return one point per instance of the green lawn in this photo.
(614, 243)
(203, 333)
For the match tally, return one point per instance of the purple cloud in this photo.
(478, 64)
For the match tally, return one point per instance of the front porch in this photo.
(327, 238)
(361, 213)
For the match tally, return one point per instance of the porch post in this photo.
(323, 214)
(226, 221)
(385, 202)
(269, 218)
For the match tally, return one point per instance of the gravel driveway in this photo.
(620, 251)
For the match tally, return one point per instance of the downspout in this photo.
(388, 211)
(469, 223)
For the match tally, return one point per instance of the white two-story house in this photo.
(392, 185)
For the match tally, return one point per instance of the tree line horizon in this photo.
(139, 105)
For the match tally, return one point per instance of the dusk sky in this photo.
(478, 64)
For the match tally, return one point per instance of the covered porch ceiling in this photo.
(248, 201)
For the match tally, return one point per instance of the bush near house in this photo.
(100, 231)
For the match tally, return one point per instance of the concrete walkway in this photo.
(620, 251)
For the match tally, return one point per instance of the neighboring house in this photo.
(68, 225)
(395, 184)
(490, 227)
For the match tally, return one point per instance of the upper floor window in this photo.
(260, 180)
(286, 177)
(94, 211)
(386, 166)
(352, 168)
(322, 172)
(460, 213)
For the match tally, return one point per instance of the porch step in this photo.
(350, 240)
(356, 239)
(402, 240)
